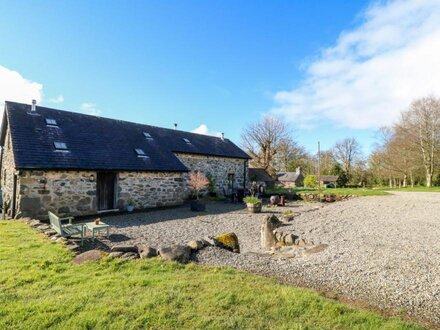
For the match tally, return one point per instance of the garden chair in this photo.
(66, 229)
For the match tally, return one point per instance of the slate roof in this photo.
(288, 176)
(328, 178)
(259, 174)
(97, 143)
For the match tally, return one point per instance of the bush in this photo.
(310, 181)
(251, 200)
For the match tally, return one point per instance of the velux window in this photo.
(60, 146)
(140, 153)
(51, 122)
(187, 141)
(148, 136)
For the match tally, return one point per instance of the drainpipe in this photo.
(14, 196)
(244, 175)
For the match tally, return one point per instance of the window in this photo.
(148, 136)
(187, 141)
(231, 177)
(51, 122)
(60, 145)
(140, 153)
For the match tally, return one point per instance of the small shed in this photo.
(261, 177)
(328, 179)
(291, 179)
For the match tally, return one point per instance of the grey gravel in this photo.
(383, 250)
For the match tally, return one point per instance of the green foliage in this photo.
(130, 202)
(310, 181)
(342, 175)
(212, 182)
(40, 288)
(251, 200)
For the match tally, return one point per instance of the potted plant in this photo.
(197, 181)
(211, 186)
(253, 204)
(130, 205)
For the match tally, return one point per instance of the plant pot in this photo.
(254, 208)
(197, 206)
(130, 208)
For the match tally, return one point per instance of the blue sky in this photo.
(221, 64)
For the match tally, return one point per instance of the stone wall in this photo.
(7, 171)
(151, 189)
(218, 168)
(72, 192)
(64, 193)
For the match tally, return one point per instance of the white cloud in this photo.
(56, 100)
(203, 129)
(14, 87)
(90, 109)
(373, 71)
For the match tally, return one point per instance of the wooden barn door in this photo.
(105, 189)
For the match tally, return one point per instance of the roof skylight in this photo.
(51, 122)
(140, 153)
(148, 136)
(187, 141)
(60, 146)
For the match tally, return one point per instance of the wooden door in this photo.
(105, 189)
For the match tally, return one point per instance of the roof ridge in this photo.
(120, 120)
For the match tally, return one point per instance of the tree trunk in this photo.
(404, 181)
(391, 183)
(428, 179)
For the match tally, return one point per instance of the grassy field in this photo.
(414, 189)
(40, 288)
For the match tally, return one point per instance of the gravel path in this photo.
(381, 250)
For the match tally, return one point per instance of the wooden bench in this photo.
(66, 229)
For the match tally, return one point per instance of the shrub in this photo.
(310, 181)
(197, 181)
(251, 200)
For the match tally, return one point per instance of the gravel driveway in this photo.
(384, 251)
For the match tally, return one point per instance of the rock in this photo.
(61, 239)
(208, 241)
(196, 245)
(268, 239)
(72, 246)
(114, 255)
(92, 255)
(34, 223)
(43, 227)
(124, 248)
(130, 255)
(287, 217)
(289, 239)
(146, 251)
(51, 232)
(228, 241)
(180, 253)
(300, 242)
(316, 249)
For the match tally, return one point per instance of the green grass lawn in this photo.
(40, 288)
(414, 189)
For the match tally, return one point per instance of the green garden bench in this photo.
(66, 229)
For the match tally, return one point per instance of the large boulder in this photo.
(268, 239)
(180, 253)
(228, 241)
(146, 251)
(196, 245)
(92, 255)
(124, 248)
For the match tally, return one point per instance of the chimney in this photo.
(223, 136)
(175, 125)
(34, 104)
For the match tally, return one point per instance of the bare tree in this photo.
(288, 150)
(263, 139)
(347, 152)
(421, 126)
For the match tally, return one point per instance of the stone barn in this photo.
(77, 164)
